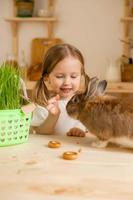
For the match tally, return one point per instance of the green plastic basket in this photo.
(14, 127)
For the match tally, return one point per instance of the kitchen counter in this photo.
(112, 87)
(35, 172)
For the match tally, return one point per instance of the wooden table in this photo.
(35, 172)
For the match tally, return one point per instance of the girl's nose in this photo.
(67, 80)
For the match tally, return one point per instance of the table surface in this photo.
(35, 172)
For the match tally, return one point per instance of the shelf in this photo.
(124, 19)
(31, 19)
(15, 21)
(113, 87)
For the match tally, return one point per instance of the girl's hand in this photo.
(76, 132)
(52, 105)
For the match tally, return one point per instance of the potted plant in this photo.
(14, 118)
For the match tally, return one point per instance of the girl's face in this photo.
(65, 77)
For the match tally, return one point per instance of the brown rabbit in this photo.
(109, 118)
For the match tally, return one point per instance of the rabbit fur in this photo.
(107, 117)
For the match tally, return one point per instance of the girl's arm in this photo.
(47, 127)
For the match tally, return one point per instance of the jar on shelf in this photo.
(24, 8)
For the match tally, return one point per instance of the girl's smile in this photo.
(66, 90)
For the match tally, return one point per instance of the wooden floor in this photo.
(35, 172)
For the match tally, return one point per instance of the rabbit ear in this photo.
(91, 86)
(101, 86)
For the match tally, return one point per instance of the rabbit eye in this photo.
(76, 100)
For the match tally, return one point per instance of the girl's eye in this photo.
(62, 76)
(59, 76)
(73, 76)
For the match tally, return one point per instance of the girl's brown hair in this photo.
(53, 56)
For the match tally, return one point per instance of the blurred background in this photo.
(93, 26)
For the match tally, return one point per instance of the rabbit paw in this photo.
(99, 144)
(76, 132)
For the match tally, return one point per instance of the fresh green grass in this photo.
(10, 93)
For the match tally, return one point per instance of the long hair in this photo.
(53, 56)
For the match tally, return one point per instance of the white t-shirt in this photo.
(64, 123)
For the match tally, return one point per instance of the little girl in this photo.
(63, 68)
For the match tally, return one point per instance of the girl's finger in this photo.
(50, 106)
(54, 99)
